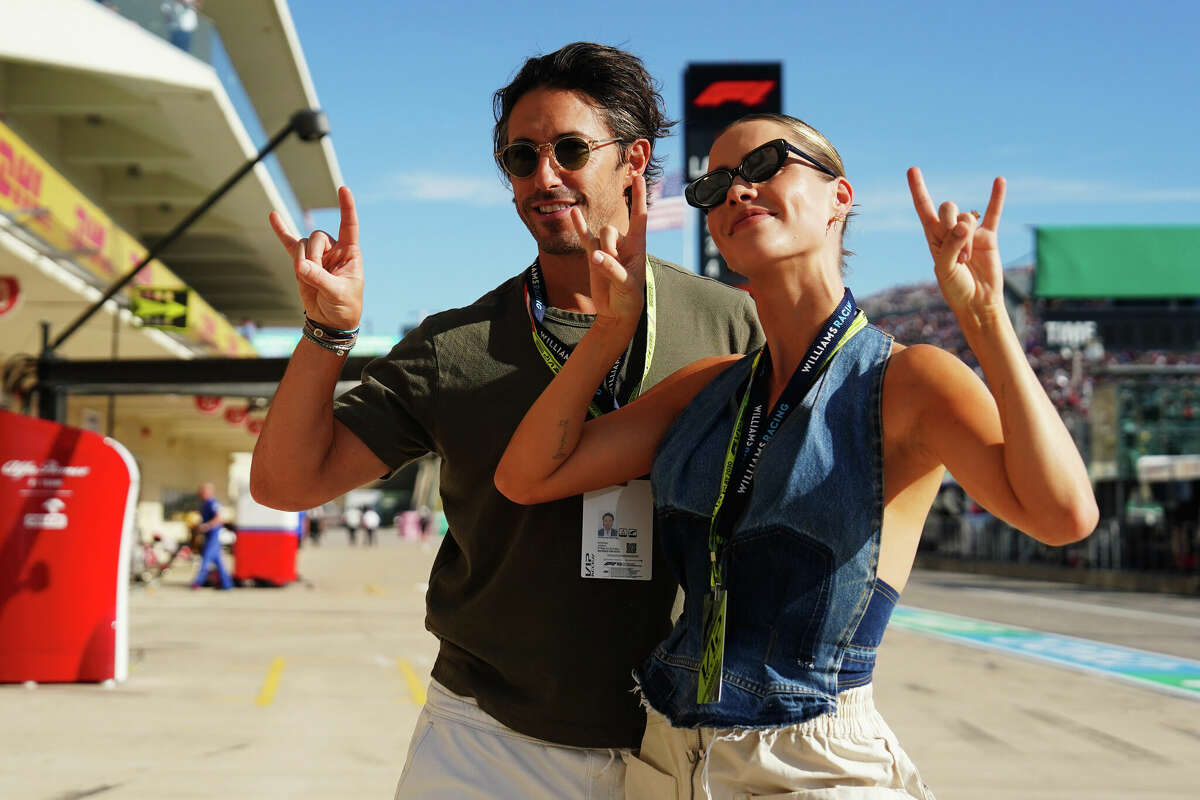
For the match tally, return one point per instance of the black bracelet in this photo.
(340, 347)
(325, 332)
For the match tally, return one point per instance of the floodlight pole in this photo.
(309, 124)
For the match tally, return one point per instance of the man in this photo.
(606, 523)
(370, 523)
(352, 519)
(210, 526)
(531, 692)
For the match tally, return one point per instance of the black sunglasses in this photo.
(520, 159)
(760, 164)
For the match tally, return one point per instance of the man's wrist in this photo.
(330, 330)
(336, 340)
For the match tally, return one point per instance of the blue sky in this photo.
(1089, 109)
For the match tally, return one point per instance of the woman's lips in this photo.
(753, 218)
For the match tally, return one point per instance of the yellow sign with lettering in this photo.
(39, 199)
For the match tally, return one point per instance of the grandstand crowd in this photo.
(1157, 414)
(917, 314)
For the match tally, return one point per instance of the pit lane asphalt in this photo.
(311, 691)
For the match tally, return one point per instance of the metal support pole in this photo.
(309, 124)
(51, 402)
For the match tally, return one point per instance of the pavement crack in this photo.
(1195, 734)
(974, 733)
(1102, 738)
(222, 750)
(87, 792)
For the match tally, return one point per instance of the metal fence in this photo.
(1146, 538)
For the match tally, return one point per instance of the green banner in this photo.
(1117, 262)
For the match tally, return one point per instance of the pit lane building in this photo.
(116, 120)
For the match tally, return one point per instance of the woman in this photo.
(791, 491)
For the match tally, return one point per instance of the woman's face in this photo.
(785, 216)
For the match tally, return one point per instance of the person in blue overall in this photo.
(791, 485)
(210, 525)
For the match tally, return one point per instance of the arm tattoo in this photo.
(562, 445)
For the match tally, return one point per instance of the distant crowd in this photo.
(917, 314)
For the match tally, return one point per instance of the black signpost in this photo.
(714, 96)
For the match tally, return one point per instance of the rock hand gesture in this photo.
(616, 263)
(966, 257)
(329, 272)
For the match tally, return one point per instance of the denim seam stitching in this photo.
(754, 687)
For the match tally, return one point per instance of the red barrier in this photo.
(266, 544)
(265, 555)
(66, 523)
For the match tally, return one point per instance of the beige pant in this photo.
(459, 752)
(850, 754)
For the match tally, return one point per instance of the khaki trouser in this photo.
(459, 752)
(850, 754)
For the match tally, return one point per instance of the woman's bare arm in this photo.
(1004, 442)
(556, 452)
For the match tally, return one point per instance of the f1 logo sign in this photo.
(748, 93)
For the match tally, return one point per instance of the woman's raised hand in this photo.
(329, 273)
(966, 256)
(617, 263)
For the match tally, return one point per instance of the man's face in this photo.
(608, 521)
(544, 199)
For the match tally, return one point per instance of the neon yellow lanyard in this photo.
(553, 362)
(715, 543)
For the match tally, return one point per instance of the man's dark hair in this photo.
(617, 82)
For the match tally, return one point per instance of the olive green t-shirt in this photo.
(542, 649)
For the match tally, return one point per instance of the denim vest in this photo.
(802, 559)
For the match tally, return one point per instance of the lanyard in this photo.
(609, 395)
(744, 451)
(746, 444)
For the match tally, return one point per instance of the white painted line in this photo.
(1095, 608)
(1128, 664)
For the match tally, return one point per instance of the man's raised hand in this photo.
(329, 273)
(617, 263)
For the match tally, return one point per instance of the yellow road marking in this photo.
(415, 688)
(266, 695)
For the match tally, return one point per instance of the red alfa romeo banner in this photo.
(66, 523)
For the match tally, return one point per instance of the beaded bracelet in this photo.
(337, 348)
(334, 340)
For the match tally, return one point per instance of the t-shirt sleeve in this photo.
(748, 330)
(391, 411)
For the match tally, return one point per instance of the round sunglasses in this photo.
(520, 159)
(760, 164)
